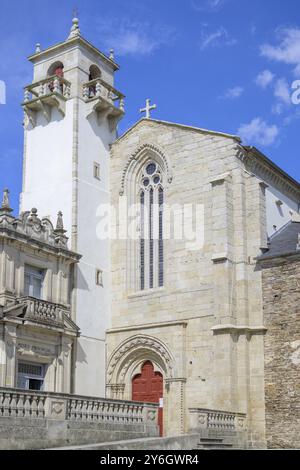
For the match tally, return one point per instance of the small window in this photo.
(31, 376)
(33, 284)
(99, 277)
(97, 171)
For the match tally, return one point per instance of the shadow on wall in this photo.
(81, 282)
(81, 356)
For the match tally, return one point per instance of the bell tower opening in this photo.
(148, 387)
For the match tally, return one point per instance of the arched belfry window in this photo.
(151, 249)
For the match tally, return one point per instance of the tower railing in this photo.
(98, 88)
(47, 87)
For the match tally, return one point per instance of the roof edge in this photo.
(34, 57)
(181, 126)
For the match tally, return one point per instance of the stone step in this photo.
(214, 445)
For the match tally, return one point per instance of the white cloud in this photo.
(264, 78)
(258, 132)
(233, 93)
(208, 5)
(220, 37)
(282, 91)
(129, 37)
(288, 50)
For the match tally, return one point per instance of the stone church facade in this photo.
(153, 316)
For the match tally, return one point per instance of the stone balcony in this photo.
(105, 101)
(47, 314)
(52, 92)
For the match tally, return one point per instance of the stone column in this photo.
(11, 354)
(2, 356)
(174, 407)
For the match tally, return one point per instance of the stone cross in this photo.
(148, 108)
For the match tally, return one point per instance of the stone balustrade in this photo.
(99, 89)
(48, 86)
(217, 420)
(44, 310)
(17, 403)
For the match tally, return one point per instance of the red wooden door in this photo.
(148, 387)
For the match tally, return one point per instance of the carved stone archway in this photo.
(128, 358)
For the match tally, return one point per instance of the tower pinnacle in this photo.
(75, 31)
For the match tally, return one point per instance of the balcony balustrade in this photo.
(42, 311)
(105, 100)
(45, 94)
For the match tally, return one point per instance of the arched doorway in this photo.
(148, 387)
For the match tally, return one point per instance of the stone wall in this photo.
(37, 420)
(205, 287)
(281, 282)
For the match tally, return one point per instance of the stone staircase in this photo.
(214, 443)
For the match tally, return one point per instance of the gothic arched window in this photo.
(151, 250)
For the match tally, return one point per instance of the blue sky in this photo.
(226, 65)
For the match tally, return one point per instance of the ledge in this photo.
(219, 257)
(148, 326)
(229, 328)
(220, 179)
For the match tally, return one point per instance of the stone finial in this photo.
(60, 223)
(75, 31)
(33, 216)
(5, 200)
(37, 48)
(5, 206)
(112, 54)
(60, 238)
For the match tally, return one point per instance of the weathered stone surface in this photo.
(281, 291)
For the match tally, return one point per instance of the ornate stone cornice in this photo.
(258, 164)
(32, 230)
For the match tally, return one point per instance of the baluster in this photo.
(27, 406)
(34, 407)
(6, 402)
(56, 84)
(1, 403)
(42, 90)
(40, 407)
(26, 96)
(98, 89)
(86, 92)
(122, 104)
(67, 92)
(13, 405)
(20, 406)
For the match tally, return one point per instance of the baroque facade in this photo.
(37, 333)
(157, 316)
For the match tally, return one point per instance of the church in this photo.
(161, 266)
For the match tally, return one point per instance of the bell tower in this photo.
(71, 114)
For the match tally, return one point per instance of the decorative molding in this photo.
(220, 179)
(135, 157)
(31, 229)
(122, 357)
(183, 323)
(236, 329)
(261, 167)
